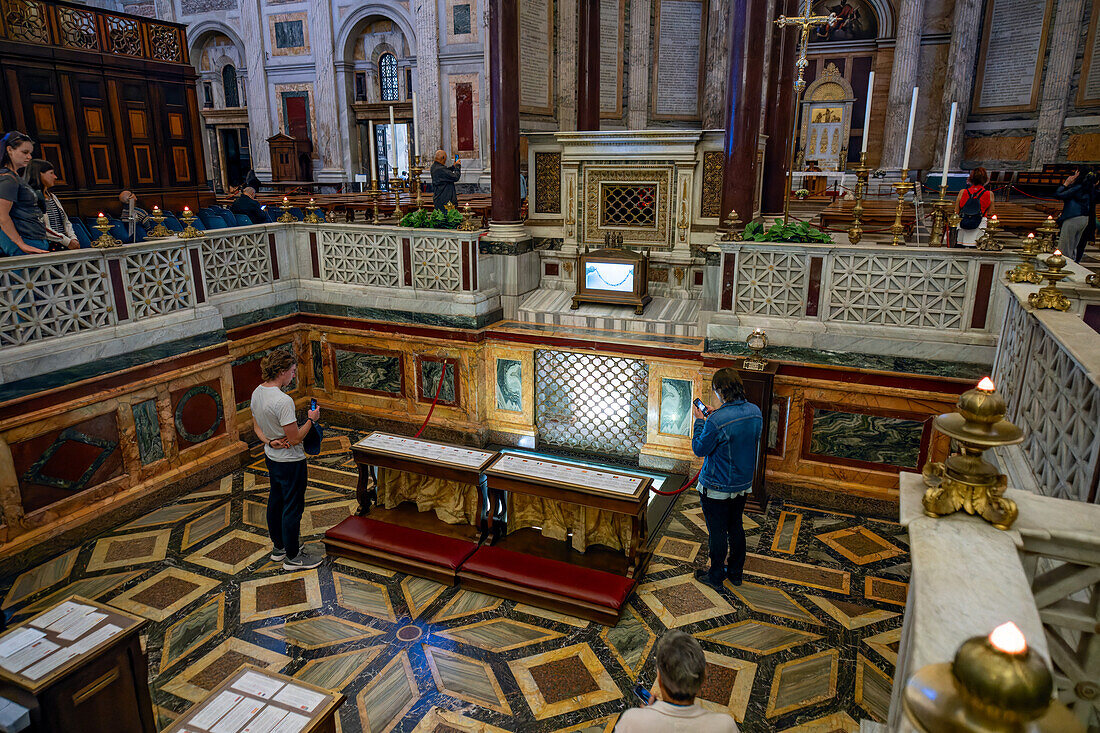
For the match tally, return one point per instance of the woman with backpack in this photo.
(1078, 219)
(974, 205)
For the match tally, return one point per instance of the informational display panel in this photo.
(536, 57)
(681, 28)
(1014, 41)
(426, 450)
(566, 473)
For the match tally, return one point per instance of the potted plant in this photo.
(780, 232)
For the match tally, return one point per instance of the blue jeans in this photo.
(11, 249)
(286, 501)
(727, 536)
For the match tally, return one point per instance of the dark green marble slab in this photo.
(375, 372)
(893, 441)
(147, 427)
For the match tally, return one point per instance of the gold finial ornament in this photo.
(159, 231)
(855, 232)
(467, 224)
(966, 481)
(105, 240)
(731, 230)
(1025, 272)
(898, 228)
(988, 241)
(1048, 235)
(1049, 296)
(189, 231)
(311, 215)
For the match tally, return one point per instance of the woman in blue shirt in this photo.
(21, 228)
(728, 441)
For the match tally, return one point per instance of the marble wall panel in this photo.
(147, 430)
(318, 363)
(859, 437)
(198, 413)
(247, 376)
(509, 385)
(429, 370)
(380, 373)
(675, 416)
(288, 34)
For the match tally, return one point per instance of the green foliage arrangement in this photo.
(793, 232)
(418, 218)
(436, 219)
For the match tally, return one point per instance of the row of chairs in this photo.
(213, 217)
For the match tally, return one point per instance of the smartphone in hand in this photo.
(702, 408)
(313, 404)
(642, 693)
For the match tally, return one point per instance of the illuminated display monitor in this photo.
(617, 277)
(613, 276)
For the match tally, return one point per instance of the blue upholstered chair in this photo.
(242, 220)
(82, 235)
(211, 220)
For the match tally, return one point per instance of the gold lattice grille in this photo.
(628, 205)
(591, 403)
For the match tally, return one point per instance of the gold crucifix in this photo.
(805, 22)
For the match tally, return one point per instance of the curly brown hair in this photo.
(275, 363)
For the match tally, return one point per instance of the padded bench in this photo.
(411, 551)
(591, 594)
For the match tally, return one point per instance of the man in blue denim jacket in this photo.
(728, 441)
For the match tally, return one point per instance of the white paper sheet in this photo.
(579, 476)
(453, 454)
(49, 664)
(86, 624)
(236, 718)
(57, 612)
(292, 723)
(97, 636)
(70, 619)
(19, 639)
(214, 710)
(258, 685)
(300, 697)
(27, 656)
(268, 718)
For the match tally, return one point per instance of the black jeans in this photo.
(727, 536)
(286, 501)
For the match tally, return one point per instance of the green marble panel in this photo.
(147, 427)
(510, 385)
(373, 372)
(318, 364)
(893, 441)
(429, 382)
(675, 406)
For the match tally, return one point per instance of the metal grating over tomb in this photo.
(591, 403)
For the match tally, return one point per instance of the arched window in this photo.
(387, 72)
(229, 82)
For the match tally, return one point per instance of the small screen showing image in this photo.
(615, 276)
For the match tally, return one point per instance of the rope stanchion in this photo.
(438, 391)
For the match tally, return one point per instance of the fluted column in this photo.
(779, 109)
(903, 77)
(504, 110)
(1056, 77)
(717, 67)
(959, 84)
(260, 100)
(744, 94)
(427, 78)
(638, 62)
(329, 144)
(588, 66)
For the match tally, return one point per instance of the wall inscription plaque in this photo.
(680, 31)
(536, 56)
(1013, 46)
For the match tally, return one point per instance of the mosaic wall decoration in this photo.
(371, 373)
(510, 385)
(199, 414)
(147, 427)
(863, 438)
(247, 376)
(428, 371)
(591, 403)
(675, 416)
(63, 462)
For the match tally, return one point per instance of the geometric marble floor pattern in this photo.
(807, 643)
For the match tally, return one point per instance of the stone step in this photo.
(662, 316)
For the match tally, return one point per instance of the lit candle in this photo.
(311, 201)
(1057, 253)
(947, 145)
(867, 112)
(392, 156)
(986, 385)
(101, 213)
(416, 128)
(1008, 638)
(186, 209)
(909, 134)
(286, 200)
(156, 208)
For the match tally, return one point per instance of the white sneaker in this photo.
(278, 555)
(303, 561)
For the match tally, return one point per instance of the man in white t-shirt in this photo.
(276, 426)
(681, 668)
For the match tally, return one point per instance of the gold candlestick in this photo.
(939, 217)
(1050, 296)
(311, 214)
(467, 224)
(159, 231)
(730, 232)
(105, 240)
(286, 217)
(898, 229)
(988, 241)
(1025, 272)
(189, 231)
(855, 232)
(376, 219)
(1048, 235)
(416, 171)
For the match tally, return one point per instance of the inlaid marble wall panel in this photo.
(147, 431)
(429, 372)
(672, 386)
(199, 413)
(370, 372)
(507, 376)
(247, 374)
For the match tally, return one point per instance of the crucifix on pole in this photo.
(805, 22)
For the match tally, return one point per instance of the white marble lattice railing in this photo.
(1048, 368)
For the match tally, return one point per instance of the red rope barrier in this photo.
(681, 489)
(438, 391)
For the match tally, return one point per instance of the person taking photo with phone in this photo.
(444, 178)
(727, 440)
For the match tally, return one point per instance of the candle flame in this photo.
(986, 385)
(101, 213)
(994, 217)
(1050, 216)
(1008, 638)
(1057, 253)
(186, 208)
(1031, 235)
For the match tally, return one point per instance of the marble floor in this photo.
(807, 643)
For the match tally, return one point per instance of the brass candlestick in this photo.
(416, 171)
(898, 229)
(311, 214)
(939, 217)
(159, 231)
(1025, 271)
(988, 241)
(1048, 235)
(730, 231)
(467, 224)
(376, 219)
(189, 231)
(105, 240)
(1050, 296)
(965, 480)
(855, 232)
(286, 217)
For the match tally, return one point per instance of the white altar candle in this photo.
(909, 134)
(416, 128)
(867, 112)
(373, 154)
(392, 157)
(947, 145)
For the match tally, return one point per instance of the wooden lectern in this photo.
(290, 159)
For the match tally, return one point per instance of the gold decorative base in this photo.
(1050, 298)
(190, 232)
(158, 232)
(106, 241)
(947, 495)
(286, 218)
(1024, 272)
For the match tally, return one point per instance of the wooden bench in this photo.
(404, 549)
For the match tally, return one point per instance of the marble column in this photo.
(959, 84)
(504, 111)
(638, 60)
(779, 109)
(429, 99)
(330, 143)
(345, 116)
(588, 66)
(747, 27)
(717, 66)
(903, 77)
(260, 98)
(566, 13)
(1056, 77)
